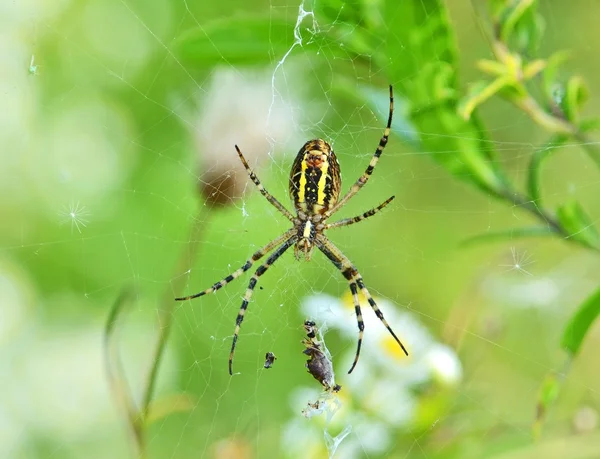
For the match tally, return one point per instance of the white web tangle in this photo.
(519, 261)
(76, 215)
(302, 13)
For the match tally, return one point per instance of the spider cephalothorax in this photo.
(315, 184)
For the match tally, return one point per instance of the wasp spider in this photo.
(315, 185)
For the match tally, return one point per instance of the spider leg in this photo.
(255, 256)
(358, 218)
(365, 177)
(253, 280)
(354, 278)
(348, 271)
(262, 190)
(378, 313)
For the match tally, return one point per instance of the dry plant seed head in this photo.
(238, 109)
(315, 185)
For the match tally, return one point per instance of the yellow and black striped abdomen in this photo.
(315, 180)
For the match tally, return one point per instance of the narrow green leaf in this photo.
(124, 298)
(548, 394)
(509, 234)
(580, 323)
(578, 224)
(533, 68)
(493, 68)
(479, 93)
(592, 124)
(521, 26)
(576, 95)
(255, 40)
(533, 179)
(115, 372)
(421, 64)
(553, 88)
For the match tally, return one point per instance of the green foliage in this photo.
(580, 324)
(518, 24)
(239, 40)
(517, 30)
(578, 224)
(509, 234)
(538, 157)
(413, 44)
(424, 67)
(145, 226)
(549, 392)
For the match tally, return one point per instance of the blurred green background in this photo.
(113, 137)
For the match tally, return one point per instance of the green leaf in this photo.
(257, 40)
(533, 185)
(576, 95)
(520, 25)
(479, 93)
(580, 323)
(126, 296)
(577, 223)
(592, 124)
(421, 63)
(509, 234)
(548, 394)
(553, 88)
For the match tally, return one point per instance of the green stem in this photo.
(533, 178)
(559, 126)
(116, 375)
(165, 316)
(541, 117)
(518, 200)
(590, 147)
(525, 202)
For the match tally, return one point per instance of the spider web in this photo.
(107, 139)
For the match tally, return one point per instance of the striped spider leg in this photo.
(355, 282)
(314, 185)
(286, 240)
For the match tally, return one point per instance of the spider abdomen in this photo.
(315, 179)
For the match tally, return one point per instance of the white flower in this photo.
(444, 364)
(379, 347)
(382, 395)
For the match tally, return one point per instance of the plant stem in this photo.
(519, 200)
(116, 375)
(589, 146)
(547, 121)
(165, 315)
